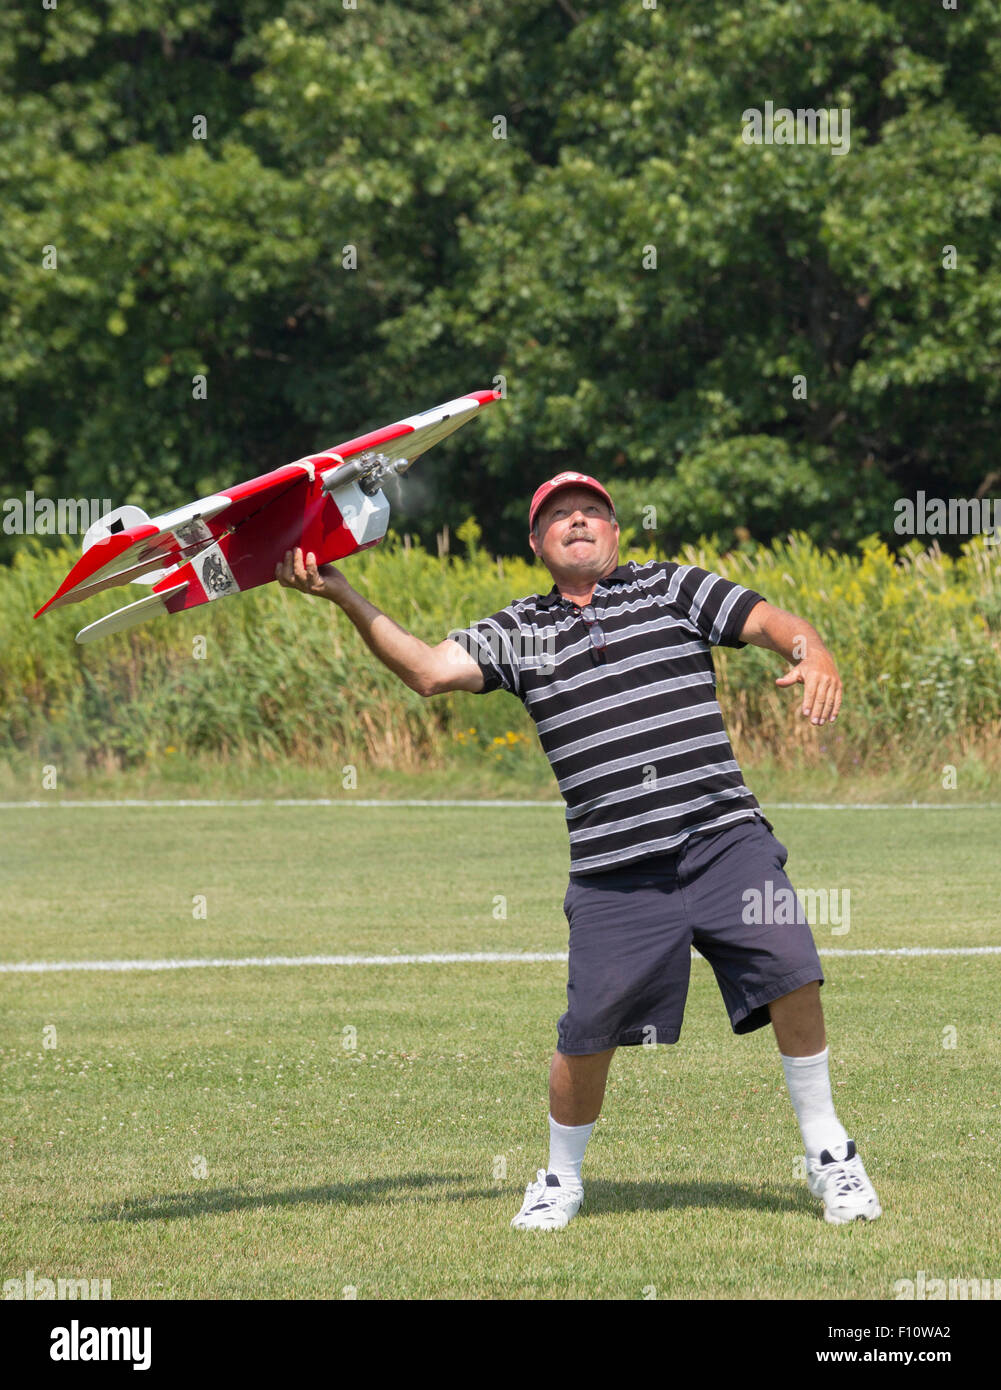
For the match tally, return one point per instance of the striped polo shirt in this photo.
(634, 734)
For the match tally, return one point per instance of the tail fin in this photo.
(120, 519)
(112, 524)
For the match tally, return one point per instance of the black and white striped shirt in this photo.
(634, 734)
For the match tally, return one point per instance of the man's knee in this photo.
(806, 995)
(585, 1061)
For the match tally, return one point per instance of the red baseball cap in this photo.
(557, 484)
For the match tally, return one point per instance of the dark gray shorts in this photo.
(632, 930)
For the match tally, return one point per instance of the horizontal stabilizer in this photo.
(130, 615)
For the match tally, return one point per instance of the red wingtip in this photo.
(96, 557)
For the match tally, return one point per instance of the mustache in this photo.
(577, 536)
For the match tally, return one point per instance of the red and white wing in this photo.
(411, 437)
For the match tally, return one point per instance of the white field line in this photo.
(431, 958)
(486, 804)
(260, 801)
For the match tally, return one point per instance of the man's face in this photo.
(576, 535)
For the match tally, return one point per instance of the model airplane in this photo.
(329, 503)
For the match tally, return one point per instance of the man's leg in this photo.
(576, 1093)
(577, 1086)
(798, 1023)
(834, 1170)
(723, 874)
(576, 1090)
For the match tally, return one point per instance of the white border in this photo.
(431, 958)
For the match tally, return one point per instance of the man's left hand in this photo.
(821, 686)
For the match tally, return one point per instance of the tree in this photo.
(397, 203)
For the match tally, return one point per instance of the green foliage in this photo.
(287, 678)
(749, 479)
(913, 640)
(528, 256)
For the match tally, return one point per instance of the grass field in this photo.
(210, 1133)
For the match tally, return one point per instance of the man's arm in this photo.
(797, 641)
(428, 670)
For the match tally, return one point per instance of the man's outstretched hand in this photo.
(303, 573)
(794, 638)
(821, 686)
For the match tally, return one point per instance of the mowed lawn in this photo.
(281, 1131)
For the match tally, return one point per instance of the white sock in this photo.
(809, 1082)
(566, 1151)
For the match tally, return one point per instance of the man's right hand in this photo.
(297, 572)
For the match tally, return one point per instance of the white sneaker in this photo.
(847, 1192)
(548, 1205)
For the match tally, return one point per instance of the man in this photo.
(669, 849)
